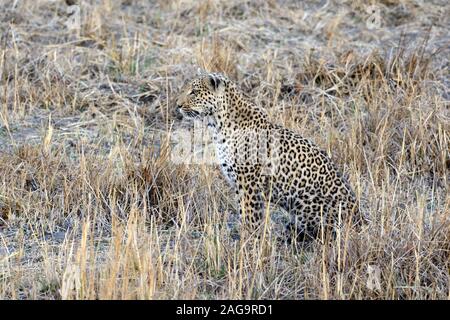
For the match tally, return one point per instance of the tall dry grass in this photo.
(92, 207)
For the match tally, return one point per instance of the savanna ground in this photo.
(92, 207)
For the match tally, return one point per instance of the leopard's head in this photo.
(201, 96)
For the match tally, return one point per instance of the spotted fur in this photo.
(265, 162)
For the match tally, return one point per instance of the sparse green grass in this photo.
(92, 207)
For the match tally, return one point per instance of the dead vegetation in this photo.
(93, 207)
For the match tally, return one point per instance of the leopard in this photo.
(266, 163)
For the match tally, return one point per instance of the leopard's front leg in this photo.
(251, 199)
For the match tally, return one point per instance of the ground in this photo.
(92, 205)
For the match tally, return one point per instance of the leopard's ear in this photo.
(214, 83)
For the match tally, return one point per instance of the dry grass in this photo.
(91, 207)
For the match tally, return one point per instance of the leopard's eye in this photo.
(193, 92)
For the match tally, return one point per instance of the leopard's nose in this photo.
(177, 113)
